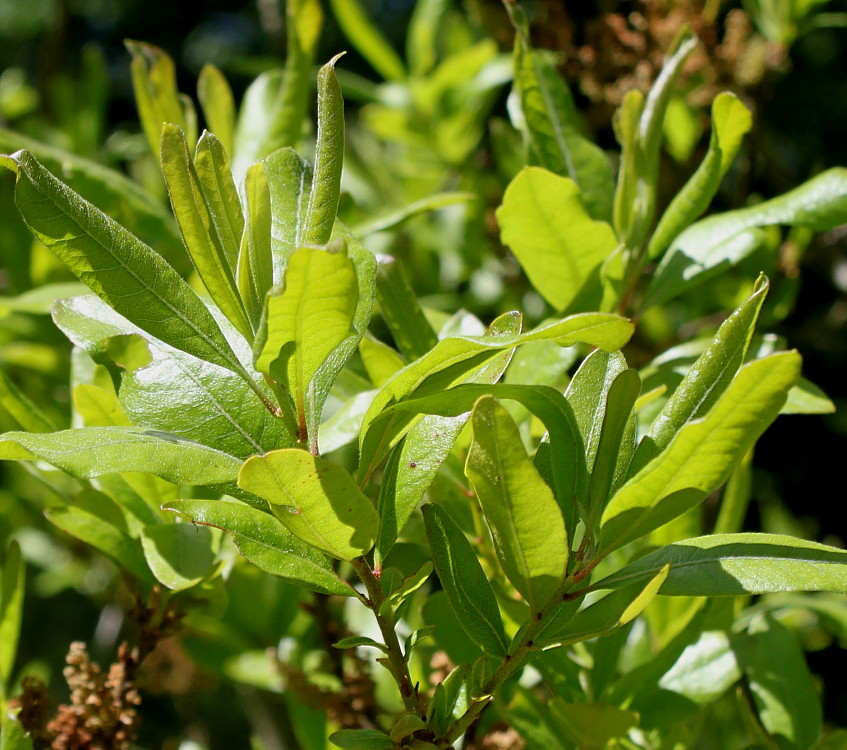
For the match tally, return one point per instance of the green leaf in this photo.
(393, 219)
(360, 640)
(380, 360)
(526, 524)
(343, 427)
(99, 407)
(731, 120)
(705, 670)
(362, 739)
(266, 543)
(551, 125)
(714, 244)
(807, 398)
(738, 564)
(557, 243)
(214, 175)
(592, 726)
(707, 378)
(255, 255)
(468, 590)
(119, 268)
(448, 632)
(12, 734)
(317, 500)
(408, 586)
(329, 157)
(703, 453)
(625, 124)
(179, 554)
(367, 39)
(213, 258)
(605, 615)
(786, 698)
(96, 520)
(406, 725)
(39, 301)
(290, 183)
(218, 105)
(306, 321)
(156, 94)
(92, 451)
(446, 365)
(401, 310)
(21, 408)
(12, 573)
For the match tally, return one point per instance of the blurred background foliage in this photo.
(415, 127)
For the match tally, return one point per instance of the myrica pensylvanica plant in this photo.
(497, 514)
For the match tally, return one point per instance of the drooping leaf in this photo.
(266, 543)
(446, 364)
(525, 520)
(179, 554)
(551, 125)
(317, 500)
(731, 120)
(120, 269)
(737, 564)
(719, 242)
(218, 105)
(92, 451)
(703, 454)
(556, 242)
(468, 590)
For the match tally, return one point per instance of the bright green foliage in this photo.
(560, 520)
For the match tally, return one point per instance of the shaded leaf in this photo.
(218, 105)
(12, 573)
(361, 739)
(179, 554)
(368, 40)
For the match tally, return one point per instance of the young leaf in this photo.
(556, 242)
(605, 615)
(317, 500)
(707, 379)
(730, 121)
(786, 698)
(266, 543)
(447, 364)
(218, 105)
(718, 242)
(119, 268)
(179, 554)
(306, 321)
(738, 564)
(212, 256)
(401, 311)
(703, 454)
(468, 590)
(156, 94)
(254, 272)
(526, 523)
(552, 127)
(360, 640)
(11, 610)
(93, 451)
(329, 156)
(289, 183)
(367, 39)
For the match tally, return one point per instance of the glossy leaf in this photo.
(446, 364)
(12, 571)
(731, 120)
(703, 454)
(557, 243)
(329, 156)
(707, 378)
(468, 590)
(119, 268)
(266, 543)
(552, 127)
(92, 451)
(179, 554)
(401, 310)
(738, 564)
(218, 105)
(605, 615)
(156, 94)
(718, 242)
(367, 39)
(317, 500)
(211, 255)
(786, 699)
(254, 272)
(307, 320)
(526, 524)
